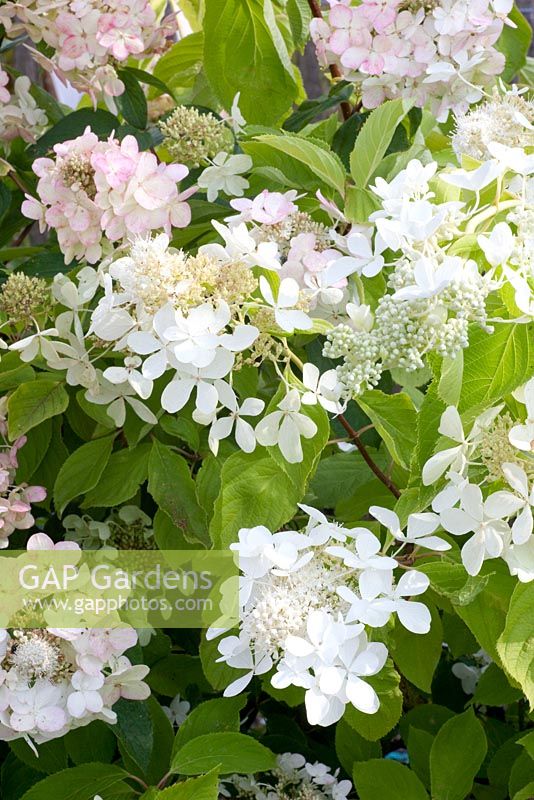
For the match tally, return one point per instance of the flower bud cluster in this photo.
(193, 138)
(306, 597)
(294, 778)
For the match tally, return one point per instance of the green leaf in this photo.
(175, 673)
(374, 726)
(34, 402)
(162, 738)
(495, 364)
(351, 747)
(417, 655)
(125, 471)
(33, 452)
(83, 783)
(374, 139)
(93, 742)
(52, 756)
(101, 122)
(360, 204)
(5, 200)
(527, 742)
(134, 730)
(261, 488)
(419, 746)
(173, 489)
(212, 716)
(516, 643)
(244, 52)
(341, 475)
(521, 774)
(456, 756)
(318, 162)
(395, 418)
(387, 780)
(15, 373)
(45, 265)
(299, 16)
(310, 109)
(526, 793)
(145, 77)
(179, 66)
(81, 471)
(132, 103)
(450, 382)
(493, 688)
(16, 778)
(515, 44)
(485, 615)
(204, 788)
(231, 752)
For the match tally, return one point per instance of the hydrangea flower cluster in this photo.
(293, 779)
(90, 39)
(15, 499)
(438, 53)
(197, 316)
(505, 118)
(19, 113)
(435, 290)
(498, 521)
(94, 193)
(308, 599)
(54, 680)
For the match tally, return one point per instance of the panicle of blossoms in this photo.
(19, 113)
(193, 138)
(496, 522)
(306, 597)
(56, 680)
(433, 296)
(439, 53)
(304, 246)
(93, 193)
(89, 39)
(294, 778)
(507, 118)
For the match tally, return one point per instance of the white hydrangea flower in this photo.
(484, 520)
(286, 315)
(285, 427)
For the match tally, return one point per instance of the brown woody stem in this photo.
(355, 436)
(335, 72)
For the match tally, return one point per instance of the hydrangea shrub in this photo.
(233, 317)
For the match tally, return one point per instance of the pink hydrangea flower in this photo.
(96, 192)
(89, 36)
(267, 208)
(4, 92)
(393, 51)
